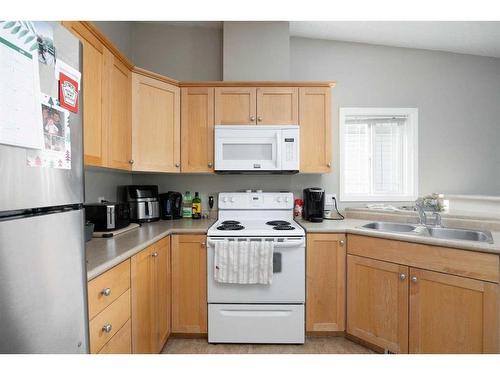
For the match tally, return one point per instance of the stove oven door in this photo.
(288, 284)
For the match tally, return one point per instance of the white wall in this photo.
(256, 51)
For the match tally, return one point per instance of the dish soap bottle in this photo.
(196, 206)
(187, 201)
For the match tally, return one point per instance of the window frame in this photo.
(412, 121)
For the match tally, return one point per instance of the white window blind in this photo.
(378, 154)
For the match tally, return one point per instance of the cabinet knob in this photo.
(414, 279)
(203, 244)
(107, 328)
(131, 162)
(328, 165)
(106, 292)
(341, 242)
(210, 164)
(154, 255)
(402, 277)
(252, 118)
(259, 118)
(177, 165)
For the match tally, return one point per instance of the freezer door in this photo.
(43, 293)
(26, 187)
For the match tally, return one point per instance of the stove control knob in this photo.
(231, 199)
(224, 199)
(248, 191)
(287, 199)
(278, 199)
(259, 191)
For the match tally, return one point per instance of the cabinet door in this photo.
(278, 105)
(189, 284)
(235, 105)
(95, 134)
(325, 276)
(155, 125)
(162, 291)
(377, 302)
(315, 129)
(197, 129)
(452, 314)
(118, 113)
(143, 303)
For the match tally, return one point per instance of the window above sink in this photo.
(378, 154)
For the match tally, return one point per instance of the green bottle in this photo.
(187, 205)
(196, 206)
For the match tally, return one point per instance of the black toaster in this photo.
(107, 216)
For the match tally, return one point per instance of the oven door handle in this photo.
(277, 245)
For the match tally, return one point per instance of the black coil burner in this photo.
(283, 227)
(278, 222)
(230, 227)
(230, 222)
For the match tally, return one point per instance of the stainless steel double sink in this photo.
(436, 232)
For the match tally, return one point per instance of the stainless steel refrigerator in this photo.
(43, 294)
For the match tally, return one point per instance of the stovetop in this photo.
(256, 228)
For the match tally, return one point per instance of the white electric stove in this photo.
(256, 313)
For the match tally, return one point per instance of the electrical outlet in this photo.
(329, 198)
(101, 199)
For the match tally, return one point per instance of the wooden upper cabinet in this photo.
(278, 105)
(235, 106)
(95, 133)
(155, 125)
(189, 284)
(452, 314)
(377, 302)
(197, 129)
(325, 282)
(119, 122)
(315, 129)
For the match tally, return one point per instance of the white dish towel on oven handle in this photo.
(243, 262)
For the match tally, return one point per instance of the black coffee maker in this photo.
(314, 204)
(171, 205)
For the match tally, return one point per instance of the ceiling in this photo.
(469, 37)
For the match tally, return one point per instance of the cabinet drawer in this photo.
(120, 343)
(106, 288)
(115, 315)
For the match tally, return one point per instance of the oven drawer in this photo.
(232, 323)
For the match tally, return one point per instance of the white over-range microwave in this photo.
(257, 149)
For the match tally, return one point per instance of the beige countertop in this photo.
(352, 226)
(105, 253)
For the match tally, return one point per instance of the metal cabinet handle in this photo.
(414, 279)
(252, 118)
(131, 162)
(154, 255)
(210, 164)
(328, 165)
(259, 118)
(177, 165)
(107, 328)
(341, 242)
(106, 292)
(203, 244)
(402, 277)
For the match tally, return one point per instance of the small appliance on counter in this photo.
(314, 204)
(171, 205)
(107, 216)
(143, 202)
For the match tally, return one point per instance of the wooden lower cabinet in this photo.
(150, 285)
(120, 343)
(377, 302)
(189, 284)
(452, 314)
(325, 282)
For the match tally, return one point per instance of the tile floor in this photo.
(313, 345)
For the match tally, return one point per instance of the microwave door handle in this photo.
(279, 139)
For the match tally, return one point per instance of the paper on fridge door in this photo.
(20, 86)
